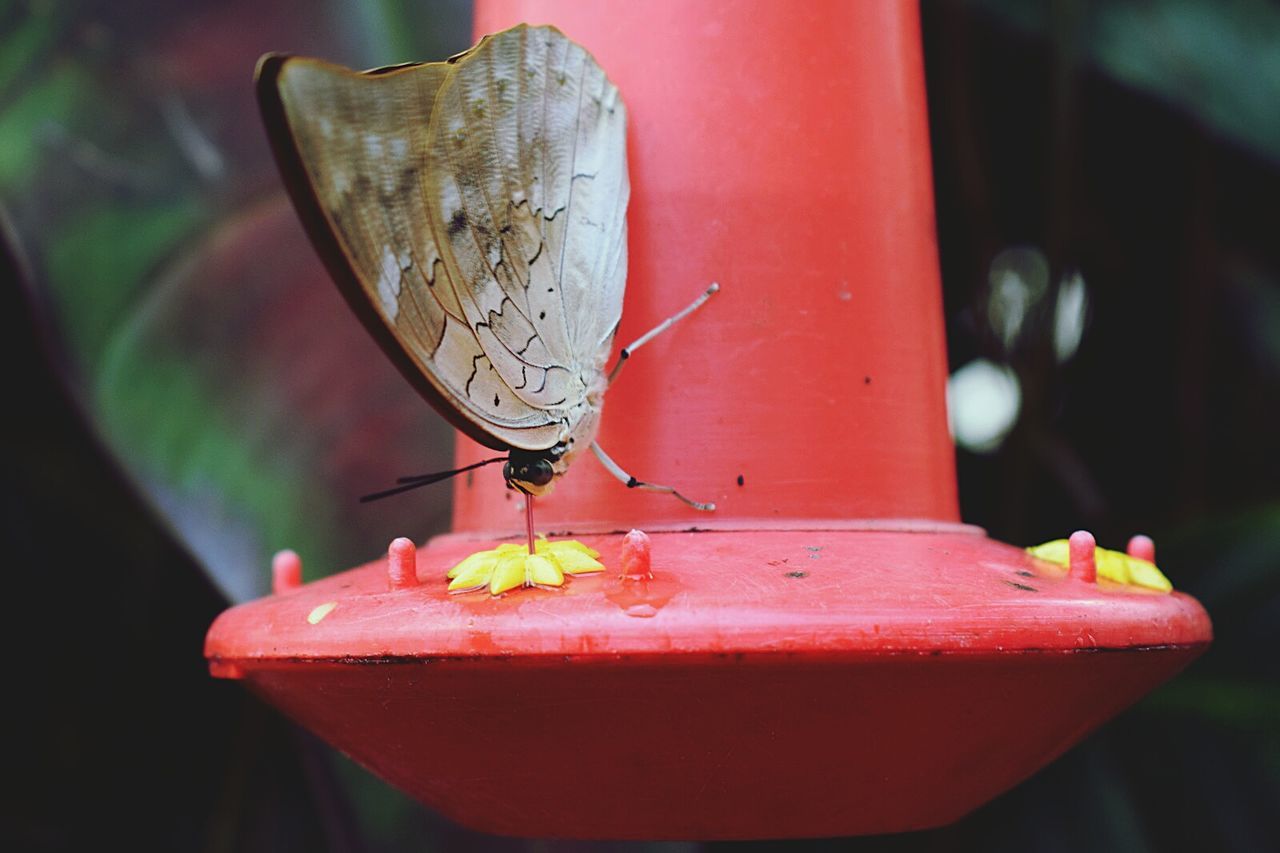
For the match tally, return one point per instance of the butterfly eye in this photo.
(539, 473)
(527, 469)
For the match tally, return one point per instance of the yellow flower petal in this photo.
(542, 571)
(468, 565)
(1112, 565)
(574, 561)
(1146, 574)
(566, 544)
(474, 571)
(508, 573)
(509, 566)
(1058, 552)
(1121, 568)
(1115, 566)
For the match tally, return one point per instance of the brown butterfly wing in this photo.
(353, 151)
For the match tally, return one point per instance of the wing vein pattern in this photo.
(480, 205)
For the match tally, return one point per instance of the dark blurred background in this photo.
(1107, 181)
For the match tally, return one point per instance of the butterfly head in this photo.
(534, 471)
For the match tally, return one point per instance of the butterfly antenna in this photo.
(413, 482)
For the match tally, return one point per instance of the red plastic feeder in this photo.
(831, 652)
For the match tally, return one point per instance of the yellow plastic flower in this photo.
(509, 566)
(1113, 565)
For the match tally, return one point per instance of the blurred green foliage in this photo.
(99, 262)
(53, 99)
(137, 175)
(1216, 61)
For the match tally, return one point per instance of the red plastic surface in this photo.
(831, 653)
(761, 591)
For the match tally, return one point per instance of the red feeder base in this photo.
(785, 683)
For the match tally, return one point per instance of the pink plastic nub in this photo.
(634, 558)
(402, 564)
(286, 571)
(1083, 565)
(1143, 548)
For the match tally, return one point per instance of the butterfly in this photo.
(473, 214)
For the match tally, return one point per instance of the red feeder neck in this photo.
(783, 151)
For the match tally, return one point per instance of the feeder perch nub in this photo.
(634, 559)
(827, 652)
(402, 564)
(286, 572)
(1142, 548)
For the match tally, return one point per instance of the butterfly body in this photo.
(533, 471)
(473, 213)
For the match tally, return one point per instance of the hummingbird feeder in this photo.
(831, 652)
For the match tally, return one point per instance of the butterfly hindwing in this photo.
(527, 155)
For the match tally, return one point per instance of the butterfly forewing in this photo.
(474, 213)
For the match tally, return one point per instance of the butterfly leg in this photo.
(632, 483)
(657, 330)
